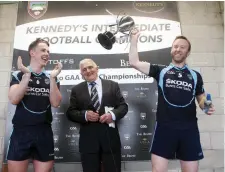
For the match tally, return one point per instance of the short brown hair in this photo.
(183, 37)
(35, 43)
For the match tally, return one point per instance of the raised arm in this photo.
(134, 61)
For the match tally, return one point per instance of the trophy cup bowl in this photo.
(106, 39)
(124, 24)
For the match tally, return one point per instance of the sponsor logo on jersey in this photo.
(179, 75)
(170, 72)
(38, 90)
(180, 83)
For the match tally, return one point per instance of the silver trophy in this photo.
(124, 25)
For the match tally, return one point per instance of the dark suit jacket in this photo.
(95, 136)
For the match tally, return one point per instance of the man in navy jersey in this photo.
(176, 131)
(34, 92)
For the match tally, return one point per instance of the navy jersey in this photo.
(177, 89)
(35, 107)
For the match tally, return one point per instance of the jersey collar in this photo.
(178, 68)
(36, 74)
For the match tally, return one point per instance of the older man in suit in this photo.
(97, 104)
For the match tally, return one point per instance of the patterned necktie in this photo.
(94, 96)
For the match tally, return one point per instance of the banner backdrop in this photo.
(72, 29)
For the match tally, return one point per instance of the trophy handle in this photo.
(117, 20)
(109, 12)
(127, 35)
(116, 24)
(119, 14)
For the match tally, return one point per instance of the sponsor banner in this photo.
(78, 35)
(122, 76)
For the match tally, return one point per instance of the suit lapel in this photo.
(104, 90)
(86, 92)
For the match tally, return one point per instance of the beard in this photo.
(179, 59)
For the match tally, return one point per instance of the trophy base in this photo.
(106, 39)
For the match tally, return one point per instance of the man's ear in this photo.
(188, 53)
(82, 76)
(97, 67)
(31, 52)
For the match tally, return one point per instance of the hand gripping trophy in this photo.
(124, 24)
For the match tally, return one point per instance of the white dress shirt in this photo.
(99, 90)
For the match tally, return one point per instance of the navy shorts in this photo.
(31, 142)
(171, 143)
